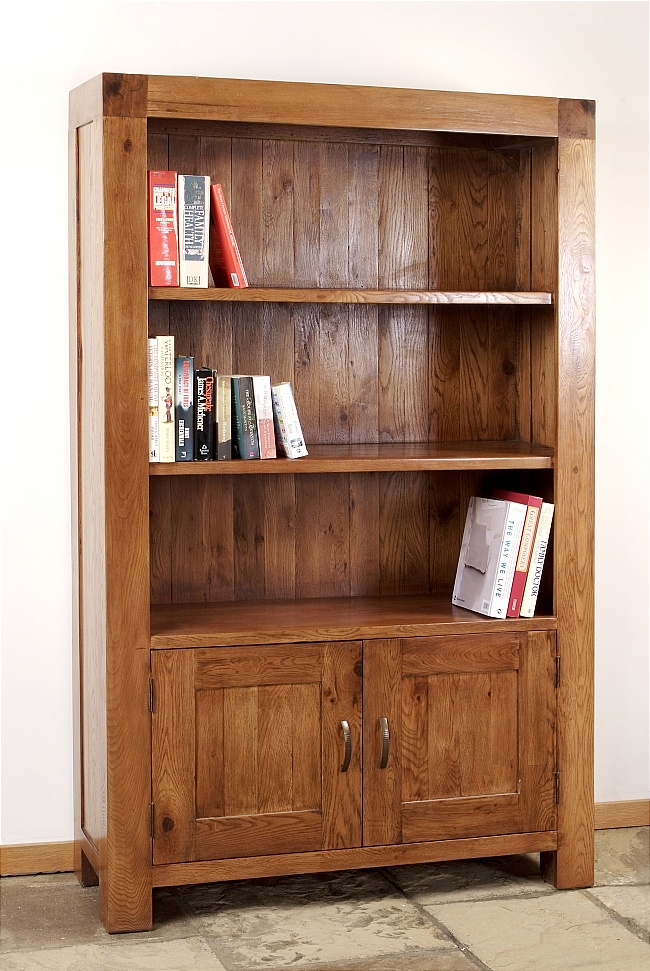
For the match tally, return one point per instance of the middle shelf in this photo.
(388, 457)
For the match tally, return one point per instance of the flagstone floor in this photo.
(495, 915)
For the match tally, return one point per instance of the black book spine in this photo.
(204, 408)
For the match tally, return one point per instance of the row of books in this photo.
(502, 554)
(198, 414)
(190, 233)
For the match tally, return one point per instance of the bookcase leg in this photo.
(84, 870)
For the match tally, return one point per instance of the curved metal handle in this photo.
(385, 742)
(347, 741)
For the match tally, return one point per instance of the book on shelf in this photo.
(264, 415)
(225, 260)
(533, 506)
(163, 228)
(245, 438)
(288, 432)
(193, 222)
(540, 547)
(166, 415)
(222, 417)
(488, 553)
(184, 400)
(204, 413)
(152, 382)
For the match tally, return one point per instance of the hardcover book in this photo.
(203, 409)
(533, 506)
(488, 552)
(245, 439)
(152, 375)
(288, 433)
(540, 547)
(225, 260)
(193, 217)
(264, 415)
(222, 417)
(184, 398)
(166, 417)
(163, 229)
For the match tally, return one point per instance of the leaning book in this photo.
(488, 553)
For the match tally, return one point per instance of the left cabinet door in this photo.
(256, 750)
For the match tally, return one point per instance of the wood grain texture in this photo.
(349, 106)
(279, 294)
(573, 543)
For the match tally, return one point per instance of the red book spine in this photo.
(534, 504)
(225, 260)
(163, 229)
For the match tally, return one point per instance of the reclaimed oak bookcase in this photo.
(271, 678)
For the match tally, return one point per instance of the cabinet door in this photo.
(469, 746)
(249, 750)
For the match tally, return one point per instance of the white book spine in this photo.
(540, 546)
(152, 370)
(515, 518)
(193, 229)
(287, 424)
(166, 410)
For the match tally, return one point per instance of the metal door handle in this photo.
(385, 742)
(347, 741)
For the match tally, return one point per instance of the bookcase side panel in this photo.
(128, 894)
(574, 517)
(91, 476)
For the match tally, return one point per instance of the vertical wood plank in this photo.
(574, 517)
(275, 747)
(444, 736)
(277, 213)
(382, 788)
(306, 736)
(415, 748)
(537, 707)
(173, 747)
(241, 750)
(246, 206)
(209, 753)
(341, 700)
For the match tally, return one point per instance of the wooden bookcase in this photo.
(422, 270)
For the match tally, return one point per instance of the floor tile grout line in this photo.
(463, 948)
(627, 922)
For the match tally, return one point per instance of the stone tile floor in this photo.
(495, 915)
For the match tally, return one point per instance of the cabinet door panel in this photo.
(248, 747)
(472, 736)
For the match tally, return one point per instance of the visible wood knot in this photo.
(128, 145)
(508, 368)
(167, 824)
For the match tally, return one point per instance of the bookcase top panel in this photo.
(299, 103)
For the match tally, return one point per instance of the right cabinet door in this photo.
(459, 736)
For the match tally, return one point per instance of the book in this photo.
(225, 260)
(288, 433)
(193, 221)
(222, 417)
(184, 401)
(533, 506)
(540, 546)
(245, 439)
(152, 375)
(163, 228)
(488, 552)
(264, 415)
(166, 417)
(204, 413)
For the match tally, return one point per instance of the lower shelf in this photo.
(321, 619)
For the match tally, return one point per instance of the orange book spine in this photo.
(225, 260)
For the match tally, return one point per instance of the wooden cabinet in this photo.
(421, 269)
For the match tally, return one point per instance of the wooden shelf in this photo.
(323, 619)
(408, 457)
(296, 295)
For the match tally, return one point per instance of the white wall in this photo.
(573, 50)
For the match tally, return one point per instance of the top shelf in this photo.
(318, 295)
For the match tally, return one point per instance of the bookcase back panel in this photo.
(381, 373)
(349, 214)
